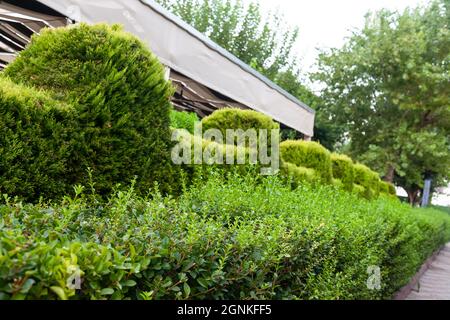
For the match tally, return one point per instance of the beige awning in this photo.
(199, 65)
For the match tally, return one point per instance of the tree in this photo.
(388, 90)
(265, 43)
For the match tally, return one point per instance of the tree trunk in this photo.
(412, 196)
(389, 173)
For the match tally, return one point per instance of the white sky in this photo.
(326, 23)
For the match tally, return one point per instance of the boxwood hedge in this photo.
(240, 239)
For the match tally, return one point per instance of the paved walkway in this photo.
(435, 282)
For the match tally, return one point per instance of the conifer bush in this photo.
(234, 118)
(35, 149)
(308, 154)
(295, 175)
(120, 99)
(367, 179)
(343, 170)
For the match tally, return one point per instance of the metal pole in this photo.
(426, 192)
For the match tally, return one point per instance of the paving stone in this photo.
(435, 282)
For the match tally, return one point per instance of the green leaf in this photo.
(59, 292)
(107, 291)
(186, 289)
(129, 283)
(202, 282)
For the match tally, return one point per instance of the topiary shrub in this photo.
(121, 98)
(343, 170)
(183, 120)
(233, 118)
(34, 149)
(368, 179)
(308, 154)
(295, 175)
(387, 188)
(392, 190)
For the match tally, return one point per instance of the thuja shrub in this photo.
(308, 154)
(34, 149)
(343, 170)
(367, 179)
(243, 239)
(183, 120)
(295, 175)
(197, 157)
(234, 118)
(121, 101)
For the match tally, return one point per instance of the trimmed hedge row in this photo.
(305, 161)
(119, 106)
(331, 168)
(241, 239)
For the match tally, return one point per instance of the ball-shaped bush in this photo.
(343, 170)
(120, 96)
(234, 119)
(308, 154)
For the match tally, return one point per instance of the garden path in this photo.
(434, 284)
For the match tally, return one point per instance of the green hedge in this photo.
(295, 175)
(34, 148)
(343, 170)
(308, 154)
(120, 99)
(241, 239)
(367, 179)
(183, 120)
(233, 118)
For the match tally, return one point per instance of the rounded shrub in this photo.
(234, 118)
(121, 102)
(367, 178)
(183, 120)
(296, 175)
(387, 188)
(343, 170)
(308, 154)
(34, 152)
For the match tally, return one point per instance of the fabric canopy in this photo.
(194, 58)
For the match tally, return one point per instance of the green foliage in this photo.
(308, 154)
(243, 239)
(234, 118)
(213, 156)
(359, 190)
(183, 120)
(387, 188)
(343, 170)
(295, 175)
(368, 179)
(242, 30)
(34, 152)
(387, 88)
(120, 101)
